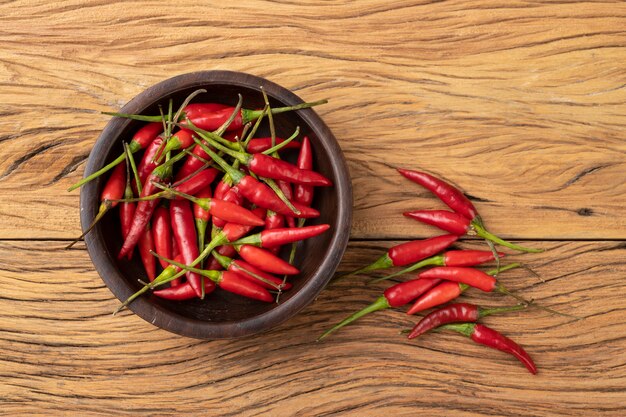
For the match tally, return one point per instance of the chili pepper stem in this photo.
(479, 230)
(249, 115)
(104, 169)
(382, 263)
(199, 201)
(272, 184)
(505, 291)
(484, 312)
(212, 275)
(131, 161)
(433, 260)
(466, 329)
(380, 304)
(132, 298)
(104, 208)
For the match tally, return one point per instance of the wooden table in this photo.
(522, 104)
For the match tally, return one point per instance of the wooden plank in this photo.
(63, 351)
(521, 105)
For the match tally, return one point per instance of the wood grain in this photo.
(63, 352)
(520, 104)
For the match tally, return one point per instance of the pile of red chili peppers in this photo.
(209, 204)
(452, 273)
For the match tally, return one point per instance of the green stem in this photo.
(233, 173)
(482, 232)
(201, 228)
(254, 240)
(255, 127)
(210, 274)
(99, 172)
(272, 184)
(433, 260)
(202, 202)
(502, 290)
(504, 268)
(484, 312)
(187, 100)
(270, 118)
(466, 329)
(276, 148)
(220, 131)
(383, 262)
(250, 115)
(380, 304)
(210, 138)
(140, 117)
(104, 209)
(131, 162)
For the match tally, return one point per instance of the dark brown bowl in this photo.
(223, 315)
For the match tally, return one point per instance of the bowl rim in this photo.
(187, 326)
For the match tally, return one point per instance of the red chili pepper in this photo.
(141, 139)
(162, 234)
(449, 258)
(183, 291)
(232, 195)
(179, 140)
(266, 260)
(285, 187)
(149, 160)
(456, 313)
(234, 231)
(185, 234)
(192, 164)
(446, 220)
(231, 282)
(127, 213)
(209, 118)
(175, 255)
(493, 339)
(274, 221)
(146, 245)
(269, 167)
(260, 194)
(451, 196)
(394, 296)
(198, 182)
(201, 217)
(279, 237)
(144, 209)
(409, 252)
(258, 145)
(448, 291)
(251, 272)
(469, 276)
(457, 201)
(303, 193)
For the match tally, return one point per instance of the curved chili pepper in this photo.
(201, 217)
(266, 260)
(469, 276)
(394, 296)
(251, 272)
(258, 145)
(141, 139)
(493, 339)
(449, 258)
(457, 201)
(185, 234)
(162, 234)
(448, 291)
(457, 313)
(270, 238)
(445, 220)
(146, 246)
(183, 291)
(409, 252)
(450, 195)
(303, 193)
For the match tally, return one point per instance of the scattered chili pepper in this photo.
(457, 313)
(457, 201)
(409, 252)
(394, 296)
(493, 339)
(449, 258)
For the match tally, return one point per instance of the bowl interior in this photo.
(221, 306)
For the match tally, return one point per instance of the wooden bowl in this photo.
(221, 314)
